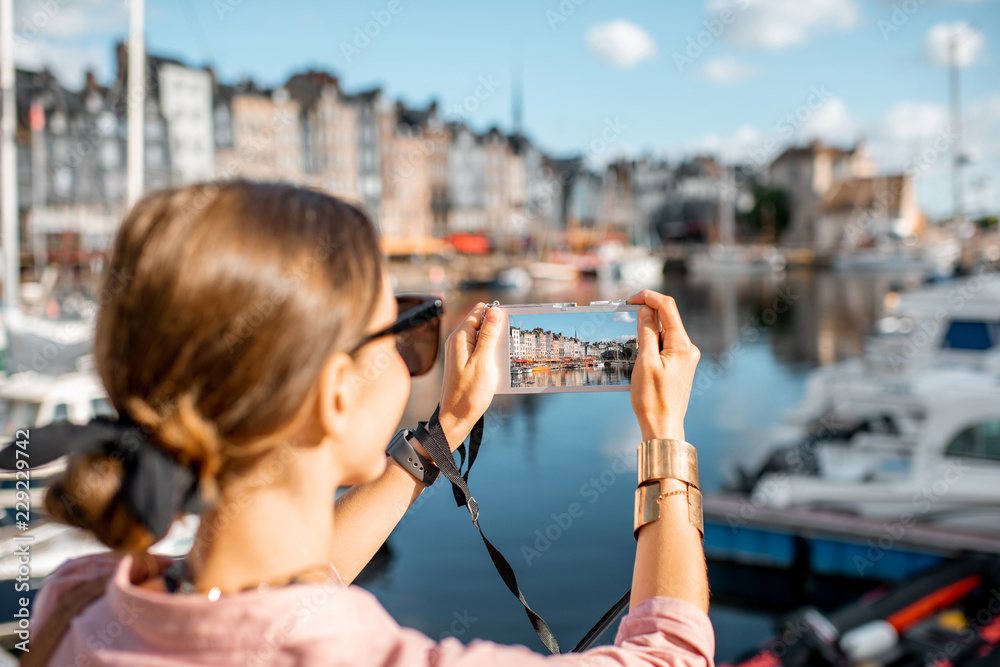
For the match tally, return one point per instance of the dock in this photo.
(824, 542)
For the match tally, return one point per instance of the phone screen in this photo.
(571, 349)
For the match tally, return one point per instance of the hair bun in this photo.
(88, 495)
(188, 435)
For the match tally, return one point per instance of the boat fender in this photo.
(869, 641)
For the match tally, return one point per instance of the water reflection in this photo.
(609, 373)
(541, 452)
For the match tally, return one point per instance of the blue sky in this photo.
(600, 326)
(583, 63)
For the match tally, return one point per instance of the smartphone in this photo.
(563, 347)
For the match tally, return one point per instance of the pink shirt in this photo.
(330, 624)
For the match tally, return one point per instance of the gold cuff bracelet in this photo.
(668, 459)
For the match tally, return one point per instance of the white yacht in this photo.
(30, 400)
(911, 431)
(937, 259)
(920, 449)
(739, 260)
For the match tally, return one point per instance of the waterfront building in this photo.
(527, 185)
(808, 175)
(184, 95)
(405, 212)
(616, 199)
(71, 156)
(529, 345)
(264, 138)
(515, 344)
(543, 345)
(496, 152)
(585, 200)
(329, 126)
(69, 145)
(651, 181)
(506, 177)
(859, 211)
(550, 194)
(466, 180)
(692, 210)
(369, 148)
(439, 136)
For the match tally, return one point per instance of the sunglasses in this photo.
(417, 331)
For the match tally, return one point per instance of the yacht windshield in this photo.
(971, 335)
(17, 414)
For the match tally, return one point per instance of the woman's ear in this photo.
(336, 396)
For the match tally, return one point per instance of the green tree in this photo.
(768, 219)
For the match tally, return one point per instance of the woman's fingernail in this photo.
(646, 314)
(492, 315)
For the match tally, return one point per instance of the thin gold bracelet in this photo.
(647, 506)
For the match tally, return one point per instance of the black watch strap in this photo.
(420, 467)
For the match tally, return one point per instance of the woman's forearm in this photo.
(367, 514)
(669, 559)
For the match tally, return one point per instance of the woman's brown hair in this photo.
(220, 304)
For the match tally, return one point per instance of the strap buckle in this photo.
(473, 513)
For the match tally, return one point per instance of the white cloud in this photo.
(771, 25)
(64, 20)
(832, 123)
(620, 43)
(725, 71)
(983, 124)
(68, 63)
(916, 135)
(623, 317)
(907, 122)
(732, 147)
(970, 44)
(910, 135)
(68, 38)
(898, 138)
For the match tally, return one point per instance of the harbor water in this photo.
(555, 476)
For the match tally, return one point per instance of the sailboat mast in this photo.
(8, 160)
(727, 222)
(956, 126)
(136, 102)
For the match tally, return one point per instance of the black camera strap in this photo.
(430, 435)
(432, 438)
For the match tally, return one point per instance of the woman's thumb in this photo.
(489, 333)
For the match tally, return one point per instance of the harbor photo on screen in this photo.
(572, 349)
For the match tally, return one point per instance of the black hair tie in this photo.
(154, 485)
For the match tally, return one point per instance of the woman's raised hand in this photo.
(664, 368)
(470, 373)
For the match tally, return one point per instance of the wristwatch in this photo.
(420, 467)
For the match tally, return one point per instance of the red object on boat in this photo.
(765, 659)
(936, 601)
(469, 244)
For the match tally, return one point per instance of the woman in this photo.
(246, 339)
